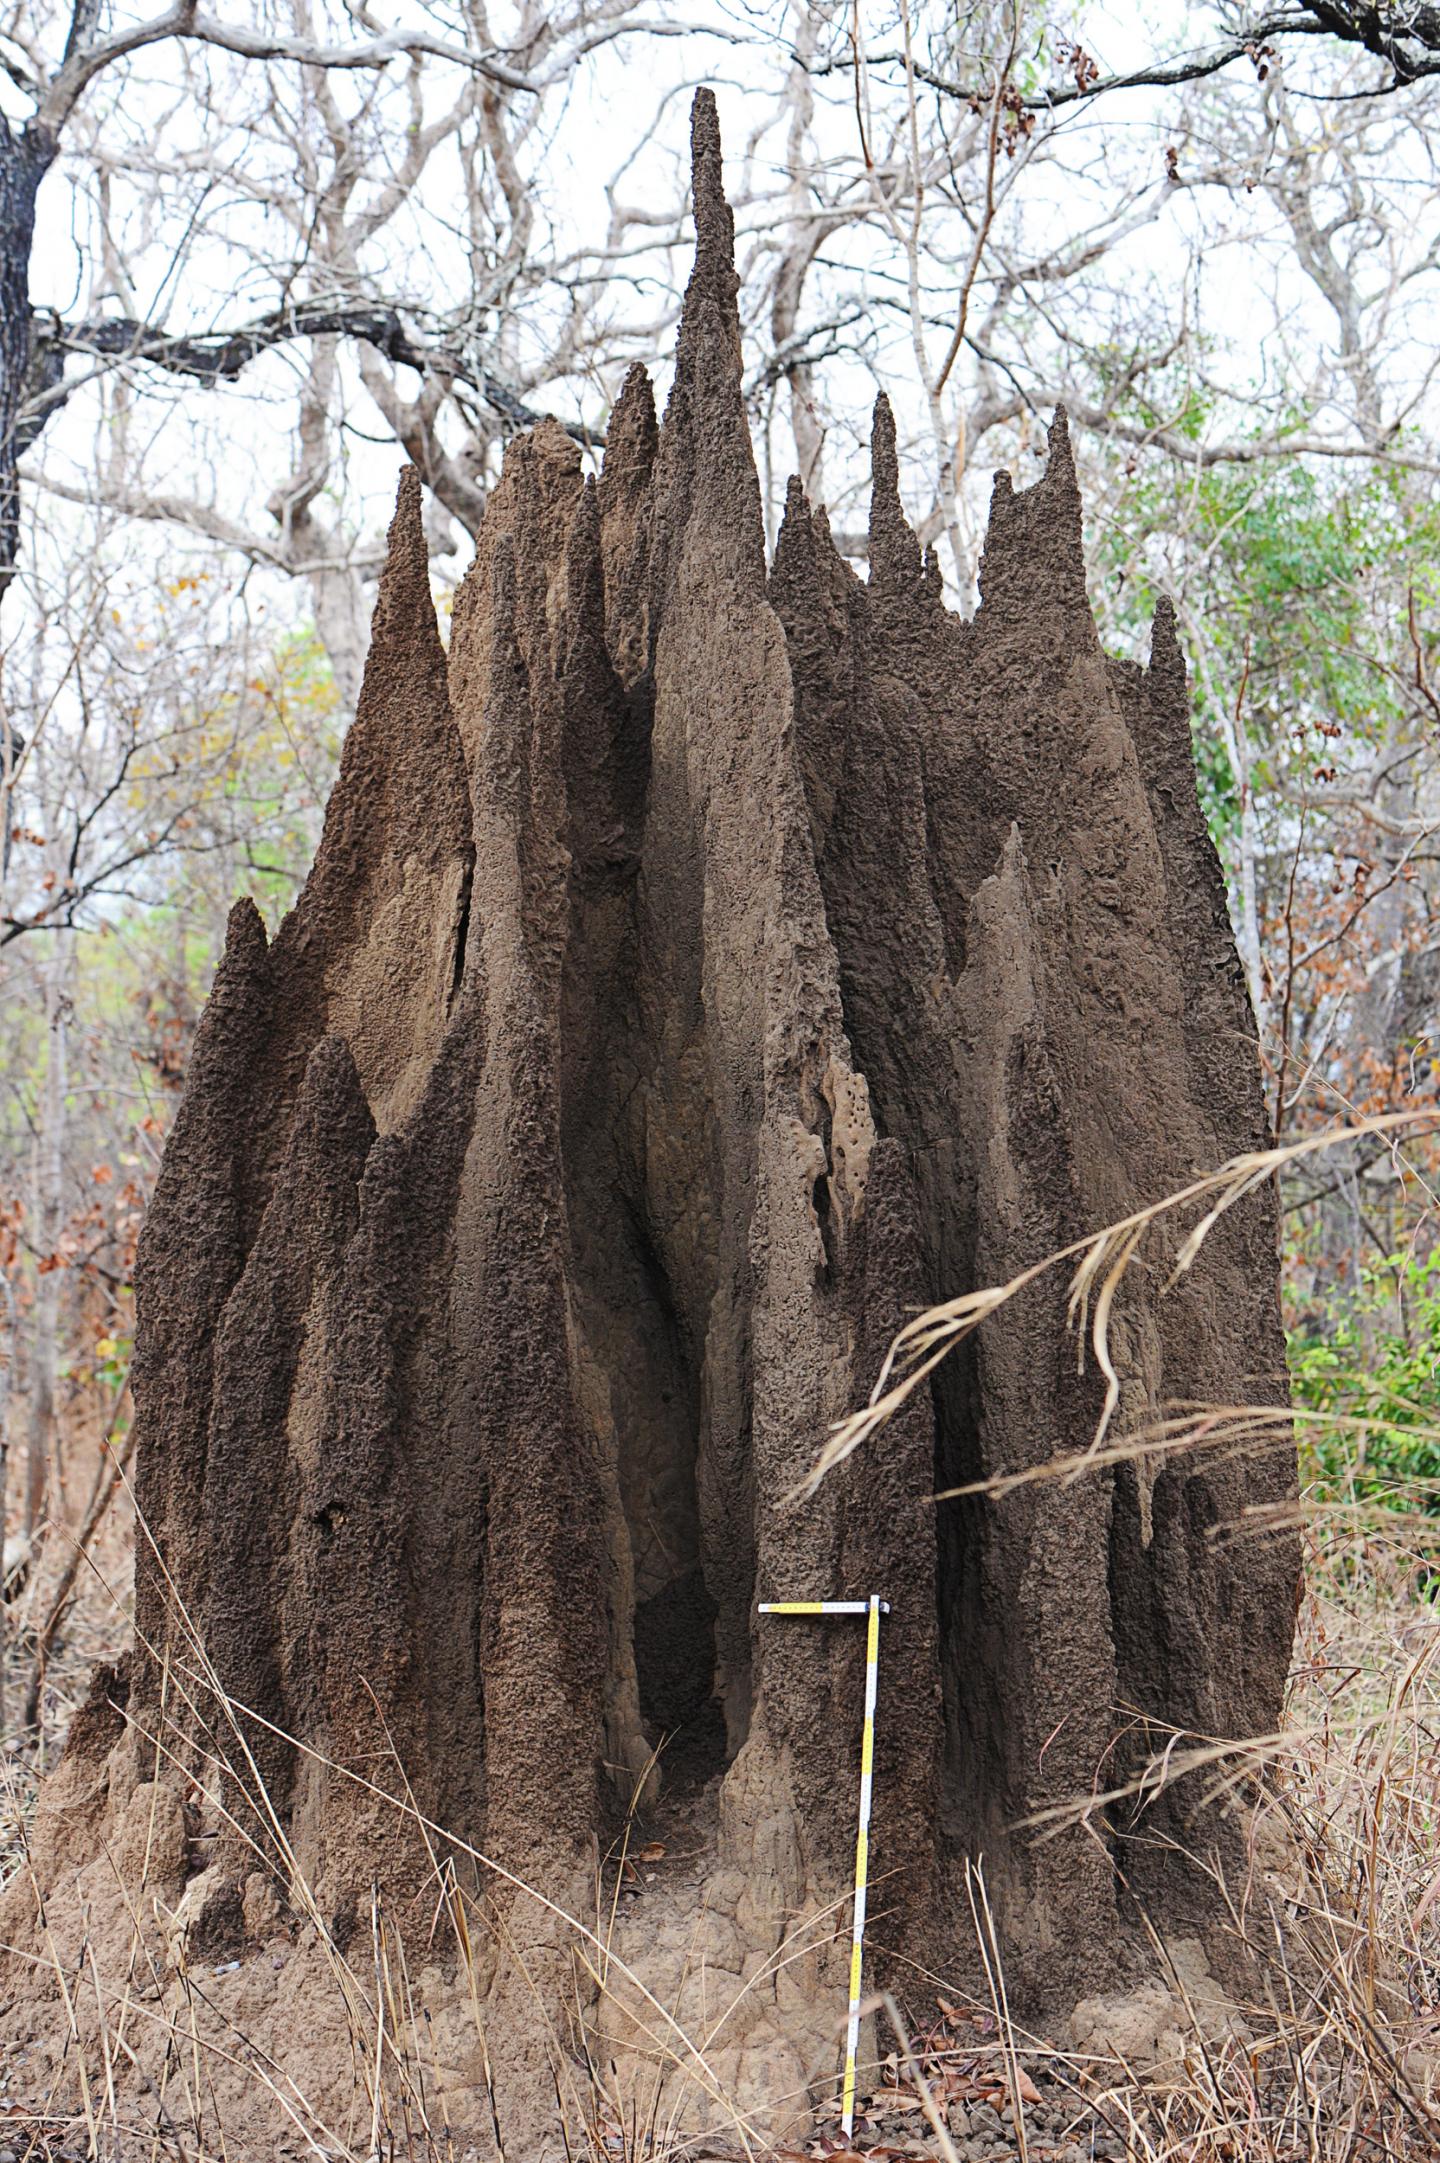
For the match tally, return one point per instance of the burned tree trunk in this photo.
(702, 968)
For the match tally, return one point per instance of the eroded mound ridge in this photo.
(701, 967)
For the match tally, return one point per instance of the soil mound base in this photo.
(703, 965)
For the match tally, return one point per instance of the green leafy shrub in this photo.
(1373, 1356)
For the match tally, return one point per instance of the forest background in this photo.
(249, 264)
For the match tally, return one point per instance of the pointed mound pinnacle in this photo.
(695, 977)
(714, 271)
(894, 551)
(1034, 551)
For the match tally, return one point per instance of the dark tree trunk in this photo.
(26, 155)
(702, 967)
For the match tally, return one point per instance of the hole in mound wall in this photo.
(675, 1665)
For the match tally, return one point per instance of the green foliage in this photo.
(1297, 577)
(224, 795)
(1374, 1356)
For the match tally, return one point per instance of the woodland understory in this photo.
(247, 271)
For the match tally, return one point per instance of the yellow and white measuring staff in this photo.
(874, 1608)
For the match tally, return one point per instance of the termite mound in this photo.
(704, 963)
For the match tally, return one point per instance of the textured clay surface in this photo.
(703, 966)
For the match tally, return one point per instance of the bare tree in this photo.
(339, 209)
(1403, 35)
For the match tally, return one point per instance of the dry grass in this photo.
(1334, 2057)
(1097, 1265)
(71, 1611)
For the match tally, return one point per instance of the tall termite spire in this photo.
(713, 276)
(706, 470)
(894, 551)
